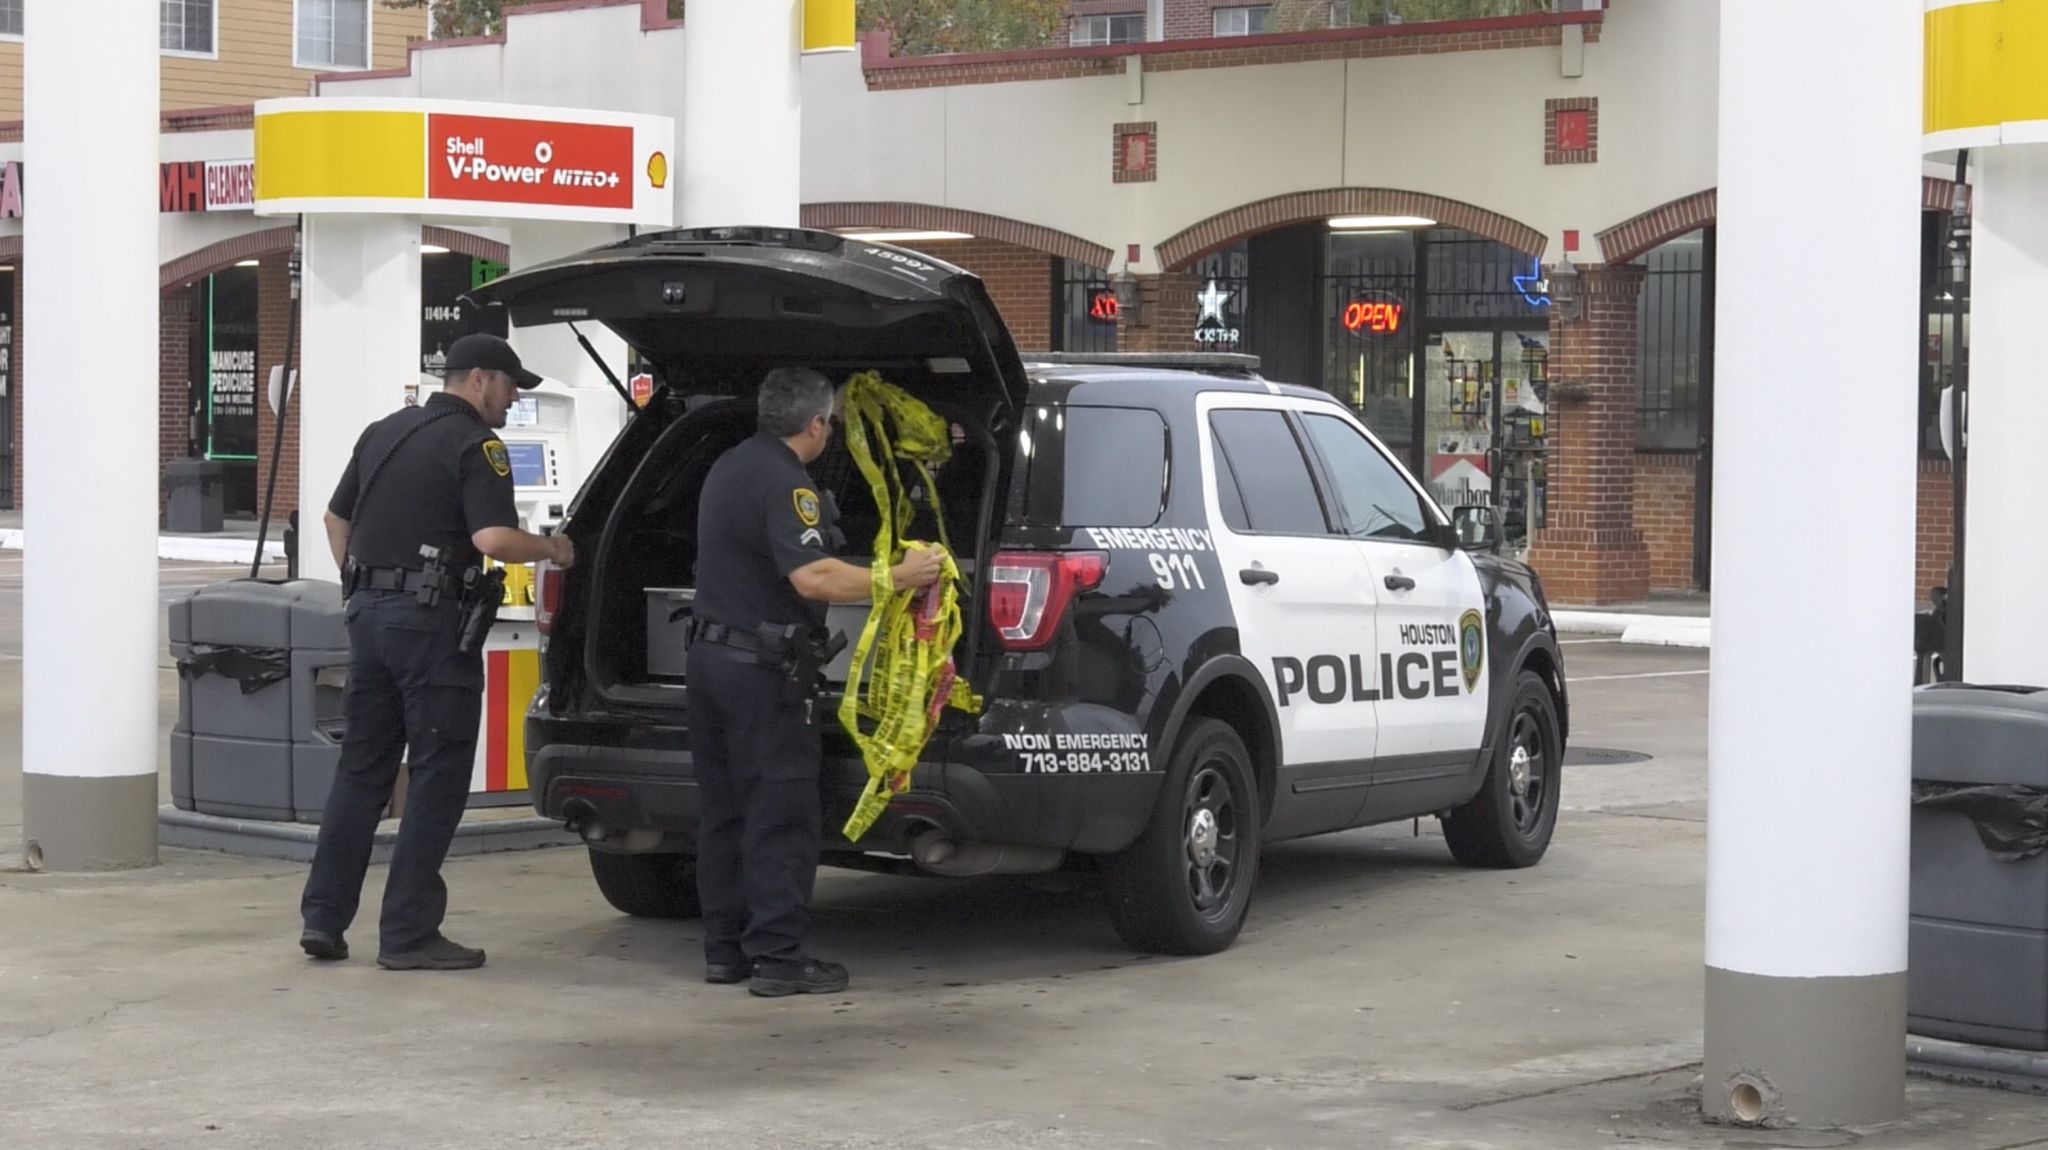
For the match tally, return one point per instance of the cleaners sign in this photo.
(455, 158)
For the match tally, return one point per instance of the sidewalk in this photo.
(234, 543)
(1666, 619)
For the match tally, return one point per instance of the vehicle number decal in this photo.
(1081, 754)
(1178, 570)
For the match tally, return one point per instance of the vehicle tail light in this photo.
(1028, 592)
(547, 595)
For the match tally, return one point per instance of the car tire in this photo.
(648, 885)
(1508, 824)
(1184, 887)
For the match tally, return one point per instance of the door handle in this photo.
(1400, 583)
(1254, 575)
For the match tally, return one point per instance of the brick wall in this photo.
(1019, 280)
(273, 314)
(1170, 315)
(1590, 551)
(1664, 487)
(174, 387)
(1190, 19)
(1936, 526)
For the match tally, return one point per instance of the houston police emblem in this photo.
(806, 506)
(1471, 646)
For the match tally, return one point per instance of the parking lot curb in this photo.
(294, 842)
(186, 548)
(1650, 630)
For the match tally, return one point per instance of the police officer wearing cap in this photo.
(764, 575)
(427, 492)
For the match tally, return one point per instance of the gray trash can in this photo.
(1978, 955)
(261, 672)
(194, 495)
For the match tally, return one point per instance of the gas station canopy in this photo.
(452, 158)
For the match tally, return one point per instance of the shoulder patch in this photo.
(494, 453)
(806, 505)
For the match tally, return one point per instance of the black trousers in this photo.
(757, 759)
(409, 688)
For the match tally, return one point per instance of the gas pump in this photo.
(554, 434)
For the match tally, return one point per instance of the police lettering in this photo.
(1327, 679)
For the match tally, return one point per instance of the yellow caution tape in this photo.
(901, 674)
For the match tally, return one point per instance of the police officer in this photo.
(427, 489)
(764, 576)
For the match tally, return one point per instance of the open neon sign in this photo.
(1373, 316)
(1103, 306)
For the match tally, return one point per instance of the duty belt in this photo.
(724, 636)
(388, 579)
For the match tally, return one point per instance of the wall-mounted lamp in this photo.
(1562, 287)
(1130, 301)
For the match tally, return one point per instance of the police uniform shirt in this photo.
(446, 482)
(759, 519)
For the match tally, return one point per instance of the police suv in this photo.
(1208, 612)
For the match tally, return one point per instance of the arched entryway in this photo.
(225, 313)
(1047, 284)
(1674, 245)
(1421, 312)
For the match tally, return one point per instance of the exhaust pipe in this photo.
(936, 852)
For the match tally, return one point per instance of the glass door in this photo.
(1460, 371)
(1484, 424)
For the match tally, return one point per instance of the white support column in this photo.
(741, 129)
(361, 347)
(1809, 721)
(89, 624)
(2005, 549)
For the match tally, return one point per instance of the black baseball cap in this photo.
(490, 353)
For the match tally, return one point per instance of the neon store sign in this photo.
(1373, 317)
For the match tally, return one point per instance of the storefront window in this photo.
(1945, 326)
(1668, 344)
(1084, 309)
(1475, 278)
(1221, 318)
(1370, 319)
(444, 277)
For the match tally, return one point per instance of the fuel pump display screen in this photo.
(524, 412)
(529, 463)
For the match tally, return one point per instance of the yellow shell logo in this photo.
(657, 170)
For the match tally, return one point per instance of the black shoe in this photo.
(438, 954)
(812, 976)
(726, 973)
(319, 944)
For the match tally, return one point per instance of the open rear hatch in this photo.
(710, 311)
(771, 295)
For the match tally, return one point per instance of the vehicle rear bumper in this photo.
(641, 777)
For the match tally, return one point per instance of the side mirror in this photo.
(1475, 527)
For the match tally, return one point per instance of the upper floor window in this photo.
(186, 26)
(333, 33)
(10, 17)
(1122, 29)
(1244, 21)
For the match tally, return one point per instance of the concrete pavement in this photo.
(1380, 996)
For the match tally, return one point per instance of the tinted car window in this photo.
(1279, 496)
(1229, 496)
(1374, 502)
(1095, 466)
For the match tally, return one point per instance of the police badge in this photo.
(1471, 646)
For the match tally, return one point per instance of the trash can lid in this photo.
(1981, 734)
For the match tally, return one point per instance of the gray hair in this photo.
(790, 398)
